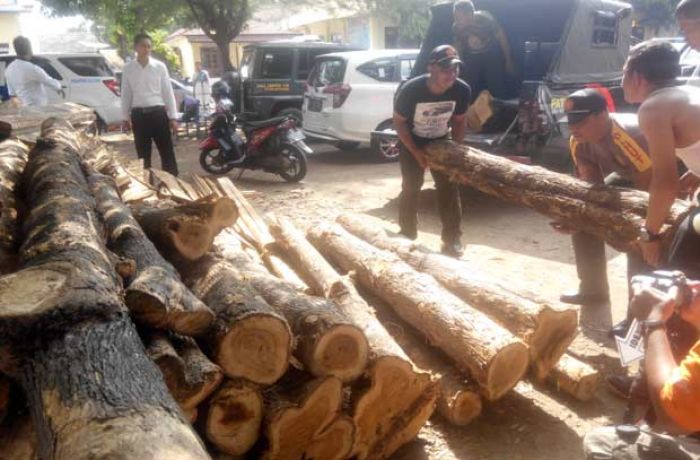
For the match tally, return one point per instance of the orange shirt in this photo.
(680, 396)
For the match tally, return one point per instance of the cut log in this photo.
(66, 336)
(25, 122)
(304, 420)
(327, 342)
(186, 230)
(235, 416)
(615, 215)
(395, 399)
(18, 439)
(155, 294)
(575, 378)
(547, 329)
(492, 355)
(189, 375)
(248, 339)
(13, 158)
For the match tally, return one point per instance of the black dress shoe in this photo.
(620, 329)
(584, 299)
(452, 249)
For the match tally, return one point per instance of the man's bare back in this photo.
(677, 107)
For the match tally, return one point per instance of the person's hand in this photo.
(173, 126)
(563, 228)
(650, 303)
(420, 157)
(61, 93)
(688, 186)
(126, 125)
(691, 313)
(651, 251)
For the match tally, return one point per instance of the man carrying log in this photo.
(425, 109)
(605, 150)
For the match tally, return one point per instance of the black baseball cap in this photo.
(445, 56)
(583, 103)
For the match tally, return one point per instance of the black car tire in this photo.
(385, 151)
(293, 113)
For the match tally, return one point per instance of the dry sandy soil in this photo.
(511, 242)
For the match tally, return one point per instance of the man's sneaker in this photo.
(621, 385)
(620, 329)
(452, 249)
(578, 298)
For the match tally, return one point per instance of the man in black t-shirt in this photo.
(425, 109)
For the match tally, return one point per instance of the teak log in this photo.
(66, 336)
(615, 215)
(155, 295)
(186, 230)
(188, 374)
(235, 417)
(304, 420)
(327, 342)
(25, 122)
(547, 329)
(492, 355)
(13, 158)
(575, 378)
(248, 338)
(395, 399)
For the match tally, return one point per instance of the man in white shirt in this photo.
(27, 81)
(148, 105)
(201, 87)
(688, 16)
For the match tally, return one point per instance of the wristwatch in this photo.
(651, 325)
(647, 236)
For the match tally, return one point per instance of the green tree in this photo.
(413, 16)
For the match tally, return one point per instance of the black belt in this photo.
(147, 110)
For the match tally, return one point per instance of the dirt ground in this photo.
(508, 241)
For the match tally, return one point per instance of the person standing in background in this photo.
(202, 87)
(148, 105)
(26, 80)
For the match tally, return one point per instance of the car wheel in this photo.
(347, 146)
(386, 150)
(293, 113)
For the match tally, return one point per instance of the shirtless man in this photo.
(668, 117)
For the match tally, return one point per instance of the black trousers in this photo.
(684, 254)
(449, 204)
(151, 125)
(486, 70)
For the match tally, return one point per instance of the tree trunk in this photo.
(155, 294)
(575, 378)
(395, 399)
(25, 122)
(303, 420)
(234, 417)
(186, 230)
(491, 354)
(13, 158)
(249, 339)
(547, 329)
(188, 374)
(223, 44)
(615, 215)
(327, 342)
(65, 334)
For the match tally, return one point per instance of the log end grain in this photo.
(575, 378)
(505, 370)
(257, 347)
(461, 407)
(555, 331)
(31, 291)
(191, 239)
(342, 351)
(336, 441)
(234, 417)
(224, 213)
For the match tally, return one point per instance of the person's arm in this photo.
(45, 79)
(459, 127)
(127, 99)
(502, 39)
(657, 127)
(404, 133)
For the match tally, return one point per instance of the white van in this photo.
(87, 79)
(350, 94)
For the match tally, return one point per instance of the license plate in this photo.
(296, 135)
(315, 105)
(557, 104)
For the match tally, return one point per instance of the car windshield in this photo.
(328, 72)
(88, 66)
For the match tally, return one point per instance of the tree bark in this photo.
(235, 417)
(394, 399)
(13, 158)
(65, 334)
(575, 378)
(547, 329)
(491, 354)
(155, 294)
(188, 373)
(327, 342)
(248, 339)
(615, 215)
(186, 230)
(304, 420)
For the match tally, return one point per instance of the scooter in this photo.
(276, 145)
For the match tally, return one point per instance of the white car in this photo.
(350, 94)
(87, 79)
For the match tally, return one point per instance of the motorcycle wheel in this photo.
(213, 162)
(297, 169)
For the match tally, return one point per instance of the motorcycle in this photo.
(276, 145)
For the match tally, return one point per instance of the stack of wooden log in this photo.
(148, 316)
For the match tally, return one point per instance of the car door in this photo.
(327, 75)
(272, 79)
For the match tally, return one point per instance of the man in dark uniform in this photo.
(425, 109)
(606, 149)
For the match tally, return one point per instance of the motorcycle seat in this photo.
(263, 123)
